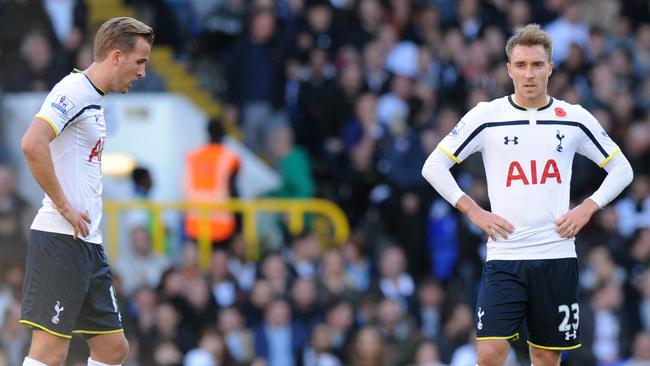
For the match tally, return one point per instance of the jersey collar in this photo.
(540, 108)
(97, 89)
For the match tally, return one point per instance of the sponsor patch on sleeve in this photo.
(456, 130)
(62, 105)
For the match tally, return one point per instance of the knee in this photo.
(53, 356)
(119, 350)
(111, 353)
(542, 357)
(492, 355)
(122, 350)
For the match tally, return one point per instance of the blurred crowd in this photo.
(359, 92)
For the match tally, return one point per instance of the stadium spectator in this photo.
(224, 289)
(15, 217)
(254, 77)
(279, 339)
(368, 348)
(339, 318)
(238, 338)
(317, 353)
(427, 355)
(37, 69)
(69, 21)
(633, 210)
(640, 350)
(240, 265)
(428, 309)
(333, 283)
(140, 267)
(304, 303)
(393, 281)
(18, 19)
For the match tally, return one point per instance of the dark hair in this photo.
(215, 130)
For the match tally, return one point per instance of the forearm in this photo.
(619, 176)
(436, 172)
(40, 164)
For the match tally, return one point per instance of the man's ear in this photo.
(115, 56)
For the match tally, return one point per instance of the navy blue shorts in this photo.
(544, 292)
(68, 287)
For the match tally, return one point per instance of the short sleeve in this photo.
(59, 108)
(596, 145)
(465, 138)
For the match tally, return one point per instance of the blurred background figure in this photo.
(210, 176)
(141, 267)
(15, 217)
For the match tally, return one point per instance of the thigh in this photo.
(554, 314)
(99, 312)
(56, 281)
(502, 300)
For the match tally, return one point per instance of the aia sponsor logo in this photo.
(96, 152)
(550, 173)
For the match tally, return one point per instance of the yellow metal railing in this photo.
(296, 210)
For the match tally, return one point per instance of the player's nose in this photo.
(529, 72)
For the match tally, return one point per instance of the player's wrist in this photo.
(590, 205)
(63, 207)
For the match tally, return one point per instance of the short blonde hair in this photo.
(530, 35)
(120, 33)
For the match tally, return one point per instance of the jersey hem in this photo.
(529, 258)
(64, 232)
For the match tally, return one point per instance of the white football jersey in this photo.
(528, 155)
(74, 110)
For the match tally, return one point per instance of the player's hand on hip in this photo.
(77, 219)
(492, 224)
(573, 221)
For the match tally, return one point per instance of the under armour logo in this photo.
(514, 140)
(559, 147)
(58, 308)
(480, 314)
(571, 335)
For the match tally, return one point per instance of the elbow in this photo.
(29, 147)
(426, 173)
(26, 146)
(628, 174)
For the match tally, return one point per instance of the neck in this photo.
(531, 103)
(96, 74)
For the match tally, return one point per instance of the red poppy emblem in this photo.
(560, 112)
